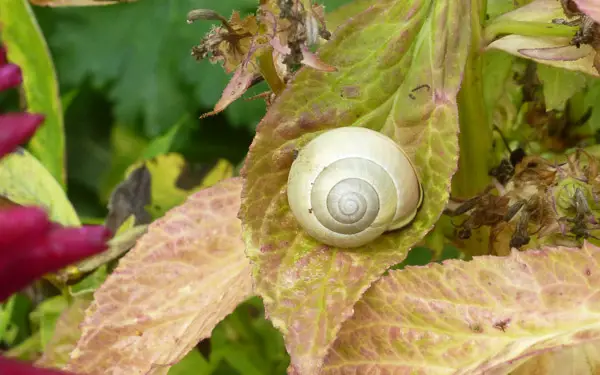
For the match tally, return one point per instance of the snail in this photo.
(349, 185)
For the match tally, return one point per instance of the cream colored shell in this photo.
(349, 185)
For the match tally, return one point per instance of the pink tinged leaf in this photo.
(277, 46)
(382, 55)
(10, 76)
(16, 129)
(240, 82)
(313, 61)
(183, 276)
(550, 51)
(565, 53)
(77, 3)
(590, 7)
(12, 367)
(487, 316)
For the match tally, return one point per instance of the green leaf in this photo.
(89, 284)
(248, 342)
(148, 68)
(27, 48)
(25, 181)
(192, 364)
(382, 55)
(65, 334)
(344, 12)
(162, 145)
(14, 322)
(559, 85)
(487, 316)
(592, 98)
(498, 7)
(497, 67)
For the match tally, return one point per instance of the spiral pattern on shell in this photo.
(349, 185)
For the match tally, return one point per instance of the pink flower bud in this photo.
(16, 129)
(10, 76)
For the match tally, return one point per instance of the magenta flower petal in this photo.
(3, 59)
(10, 76)
(12, 367)
(68, 245)
(29, 259)
(16, 129)
(19, 223)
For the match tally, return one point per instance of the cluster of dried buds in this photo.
(589, 30)
(266, 47)
(556, 203)
(30, 245)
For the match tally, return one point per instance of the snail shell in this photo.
(349, 185)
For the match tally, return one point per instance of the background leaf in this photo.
(489, 315)
(173, 179)
(382, 54)
(25, 181)
(27, 48)
(140, 323)
(559, 85)
(65, 334)
(147, 69)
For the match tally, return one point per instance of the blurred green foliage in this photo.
(127, 78)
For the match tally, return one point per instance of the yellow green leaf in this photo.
(167, 189)
(27, 48)
(402, 61)
(25, 181)
(559, 85)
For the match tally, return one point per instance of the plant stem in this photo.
(269, 72)
(475, 139)
(537, 29)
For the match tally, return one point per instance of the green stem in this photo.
(537, 29)
(269, 72)
(475, 137)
